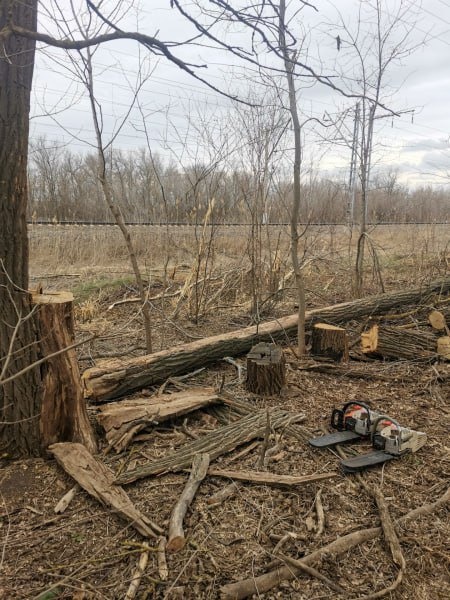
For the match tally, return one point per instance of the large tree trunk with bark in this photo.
(21, 398)
(117, 378)
(42, 404)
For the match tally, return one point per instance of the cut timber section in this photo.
(266, 369)
(216, 443)
(330, 341)
(123, 420)
(116, 378)
(63, 410)
(95, 477)
(393, 342)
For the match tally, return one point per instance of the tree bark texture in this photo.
(393, 342)
(266, 369)
(330, 341)
(63, 410)
(116, 378)
(123, 420)
(216, 443)
(20, 400)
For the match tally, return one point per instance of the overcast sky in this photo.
(181, 112)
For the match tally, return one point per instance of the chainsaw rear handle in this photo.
(378, 440)
(338, 415)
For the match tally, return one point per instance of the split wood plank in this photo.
(95, 477)
(264, 478)
(198, 473)
(116, 378)
(216, 443)
(125, 419)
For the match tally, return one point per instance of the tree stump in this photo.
(63, 410)
(266, 369)
(330, 341)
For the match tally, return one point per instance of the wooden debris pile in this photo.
(247, 426)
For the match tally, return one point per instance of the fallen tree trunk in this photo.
(123, 420)
(267, 581)
(392, 342)
(216, 443)
(116, 378)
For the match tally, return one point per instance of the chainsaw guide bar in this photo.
(357, 421)
(340, 437)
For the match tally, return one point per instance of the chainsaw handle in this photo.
(338, 414)
(391, 420)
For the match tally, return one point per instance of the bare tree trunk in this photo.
(20, 400)
(289, 69)
(113, 207)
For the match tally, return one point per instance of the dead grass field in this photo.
(88, 553)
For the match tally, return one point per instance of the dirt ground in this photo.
(89, 553)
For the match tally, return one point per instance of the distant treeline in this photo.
(64, 187)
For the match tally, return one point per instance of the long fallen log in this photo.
(216, 443)
(116, 378)
(267, 581)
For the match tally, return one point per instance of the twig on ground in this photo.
(137, 576)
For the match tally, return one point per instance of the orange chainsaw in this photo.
(389, 440)
(355, 420)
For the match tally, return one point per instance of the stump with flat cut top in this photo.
(266, 369)
(330, 341)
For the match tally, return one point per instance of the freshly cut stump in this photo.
(64, 415)
(266, 369)
(330, 341)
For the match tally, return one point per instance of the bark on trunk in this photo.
(20, 400)
(392, 342)
(116, 378)
(330, 341)
(266, 369)
(63, 411)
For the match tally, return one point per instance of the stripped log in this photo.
(392, 342)
(116, 378)
(330, 341)
(266, 369)
(95, 477)
(199, 469)
(123, 420)
(216, 443)
(263, 478)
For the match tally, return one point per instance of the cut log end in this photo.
(176, 544)
(266, 369)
